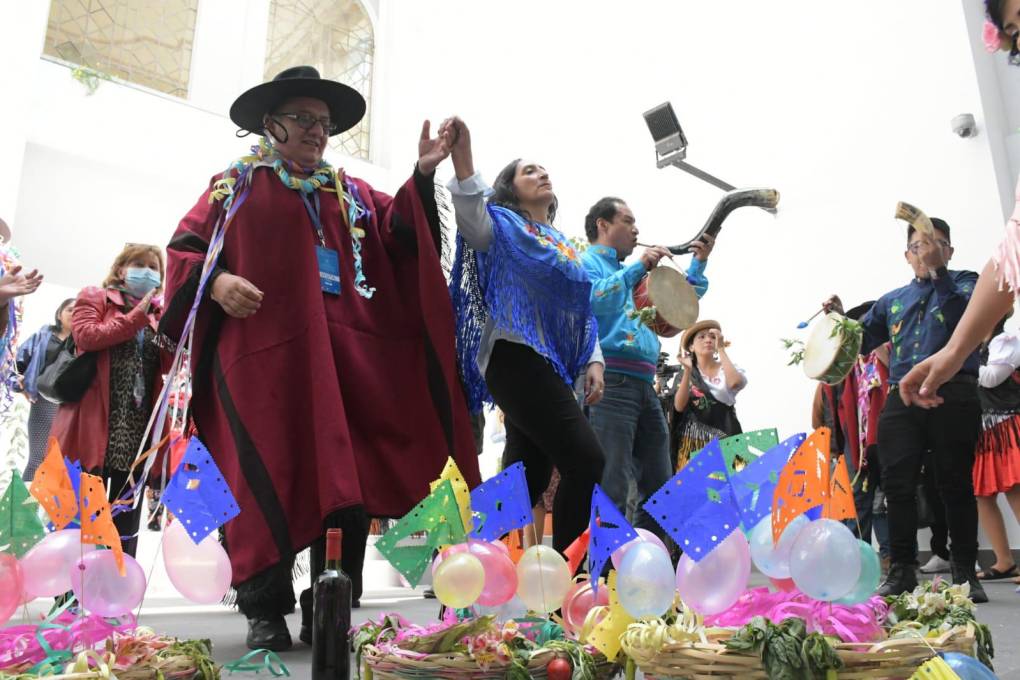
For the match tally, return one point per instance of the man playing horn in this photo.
(918, 319)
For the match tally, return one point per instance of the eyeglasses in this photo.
(915, 247)
(306, 121)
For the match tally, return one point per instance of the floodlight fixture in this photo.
(671, 144)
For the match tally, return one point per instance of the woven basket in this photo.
(382, 666)
(897, 658)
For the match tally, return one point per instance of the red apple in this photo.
(559, 669)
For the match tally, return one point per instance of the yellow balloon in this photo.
(543, 579)
(459, 580)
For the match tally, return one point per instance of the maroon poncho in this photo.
(319, 402)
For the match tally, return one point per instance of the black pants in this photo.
(545, 426)
(939, 543)
(271, 593)
(950, 433)
(127, 522)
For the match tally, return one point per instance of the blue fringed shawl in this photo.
(529, 283)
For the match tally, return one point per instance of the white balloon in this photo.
(543, 579)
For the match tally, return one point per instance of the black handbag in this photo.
(68, 377)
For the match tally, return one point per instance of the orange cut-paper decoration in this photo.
(514, 542)
(841, 494)
(803, 481)
(52, 487)
(97, 525)
(576, 551)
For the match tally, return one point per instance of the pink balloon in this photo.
(784, 584)
(502, 547)
(500, 574)
(46, 568)
(202, 572)
(10, 591)
(580, 600)
(643, 535)
(714, 584)
(99, 587)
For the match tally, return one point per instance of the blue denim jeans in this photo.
(631, 427)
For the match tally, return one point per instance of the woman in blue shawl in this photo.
(526, 335)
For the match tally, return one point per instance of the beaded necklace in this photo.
(352, 208)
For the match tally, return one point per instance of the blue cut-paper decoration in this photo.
(501, 504)
(74, 472)
(755, 485)
(608, 531)
(696, 507)
(197, 494)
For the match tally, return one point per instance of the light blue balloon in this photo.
(774, 560)
(825, 561)
(645, 581)
(512, 609)
(867, 582)
(967, 667)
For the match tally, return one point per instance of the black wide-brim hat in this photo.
(346, 105)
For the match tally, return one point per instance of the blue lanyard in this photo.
(313, 213)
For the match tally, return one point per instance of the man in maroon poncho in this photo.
(325, 383)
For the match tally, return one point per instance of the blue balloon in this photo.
(645, 582)
(825, 561)
(967, 667)
(867, 582)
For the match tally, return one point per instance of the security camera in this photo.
(964, 125)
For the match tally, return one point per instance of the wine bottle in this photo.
(331, 617)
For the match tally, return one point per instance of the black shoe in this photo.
(429, 594)
(964, 573)
(355, 604)
(306, 634)
(901, 579)
(271, 634)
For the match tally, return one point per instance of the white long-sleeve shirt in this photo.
(475, 226)
(1003, 359)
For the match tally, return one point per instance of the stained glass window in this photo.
(336, 38)
(147, 42)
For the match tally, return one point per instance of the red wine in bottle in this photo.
(331, 617)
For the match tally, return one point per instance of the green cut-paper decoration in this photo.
(748, 446)
(439, 517)
(20, 526)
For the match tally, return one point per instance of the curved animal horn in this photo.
(766, 199)
(915, 217)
